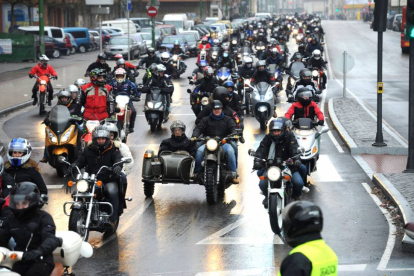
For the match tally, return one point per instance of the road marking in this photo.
(49, 187)
(326, 171)
(386, 256)
(192, 114)
(217, 237)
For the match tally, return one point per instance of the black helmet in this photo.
(101, 58)
(216, 105)
(277, 124)
(24, 199)
(301, 48)
(151, 51)
(301, 218)
(307, 32)
(221, 93)
(305, 75)
(304, 96)
(101, 132)
(1, 166)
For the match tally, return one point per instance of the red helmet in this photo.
(118, 56)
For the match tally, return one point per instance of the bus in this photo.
(405, 44)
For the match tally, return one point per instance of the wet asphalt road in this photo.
(177, 233)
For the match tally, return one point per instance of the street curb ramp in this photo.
(403, 205)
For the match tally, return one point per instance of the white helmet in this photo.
(160, 68)
(165, 57)
(316, 54)
(112, 128)
(80, 82)
(43, 57)
(120, 71)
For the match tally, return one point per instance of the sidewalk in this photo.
(356, 124)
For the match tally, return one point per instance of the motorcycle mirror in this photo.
(325, 129)
(301, 150)
(409, 229)
(189, 77)
(251, 152)
(61, 159)
(126, 160)
(243, 107)
(188, 91)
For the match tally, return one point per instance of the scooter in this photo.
(155, 108)
(277, 73)
(295, 68)
(71, 248)
(262, 104)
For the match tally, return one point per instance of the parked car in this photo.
(119, 45)
(53, 32)
(147, 37)
(202, 31)
(211, 19)
(396, 24)
(168, 42)
(121, 25)
(192, 39)
(169, 29)
(159, 35)
(95, 35)
(60, 47)
(81, 36)
(49, 47)
(142, 44)
(143, 22)
(390, 20)
(113, 32)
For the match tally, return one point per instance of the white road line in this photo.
(326, 171)
(364, 165)
(386, 256)
(143, 115)
(352, 267)
(50, 187)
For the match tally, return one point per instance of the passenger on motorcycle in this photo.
(130, 73)
(120, 85)
(262, 75)
(101, 151)
(178, 140)
(95, 97)
(304, 81)
(216, 125)
(316, 61)
(305, 107)
(100, 63)
(42, 68)
(74, 95)
(246, 71)
(166, 61)
(226, 61)
(285, 147)
(128, 65)
(32, 229)
(149, 73)
(150, 59)
(21, 167)
(314, 45)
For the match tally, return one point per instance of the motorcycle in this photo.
(317, 74)
(214, 55)
(277, 73)
(178, 66)
(223, 74)
(155, 108)
(295, 68)
(308, 138)
(61, 138)
(245, 92)
(43, 83)
(90, 210)
(200, 101)
(203, 55)
(262, 104)
(279, 188)
(123, 116)
(71, 249)
(178, 167)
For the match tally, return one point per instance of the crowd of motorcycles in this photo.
(257, 41)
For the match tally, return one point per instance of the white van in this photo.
(264, 15)
(121, 24)
(53, 32)
(179, 20)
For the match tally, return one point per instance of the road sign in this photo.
(349, 63)
(152, 11)
(129, 6)
(99, 2)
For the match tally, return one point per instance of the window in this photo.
(171, 39)
(78, 34)
(57, 33)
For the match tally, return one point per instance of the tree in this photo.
(12, 3)
(30, 5)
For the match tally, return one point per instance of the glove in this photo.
(117, 170)
(31, 76)
(257, 165)
(321, 122)
(298, 163)
(70, 168)
(193, 138)
(32, 255)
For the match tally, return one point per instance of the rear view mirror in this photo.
(126, 159)
(189, 77)
(301, 150)
(325, 129)
(251, 152)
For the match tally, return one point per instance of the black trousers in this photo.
(33, 268)
(133, 114)
(49, 90)
(111, 193)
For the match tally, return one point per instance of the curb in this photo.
(352, 146)
(404, 207)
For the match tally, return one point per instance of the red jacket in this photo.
(309, 111)
(39, 70)
(129, 65)
(94, 100)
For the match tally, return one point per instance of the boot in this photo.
(49, 102)
(34, 100)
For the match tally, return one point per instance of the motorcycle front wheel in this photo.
(210, 183)
(275, 213)
(77, 221)
(262, 121)
(42, 103)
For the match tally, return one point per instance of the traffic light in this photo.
(337, 10)
(409, 16)
(380, 15)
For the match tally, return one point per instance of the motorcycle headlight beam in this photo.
(82, 186)
(65, 137)
(52, 136)
(211, 145)
(274, 173)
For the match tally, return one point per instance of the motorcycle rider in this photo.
(42, 68)
(74, 95)
(128, 65)
(246, 71)
(226, 61)
(276, 58)
(285, 146)
(95, 97)
(304, 81)
(32, 229)
(178, 140)
(176, 49)
(204, 45)
(301, 50)
(130, 73)
(302, 226)
(21, 167)
(199, 72)
(316, 61)
(150, 59)
(166, 61)
(100, 63)
(250, 31)
(235, 103)
(101, 151)
(149, 73)
(120, 85)
(305, 107)
(7, 182)
(312, 46)
(262, 75)
(207, 84)
(217, 124)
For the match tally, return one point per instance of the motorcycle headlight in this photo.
(65, 137)
(247, 81)
(174, 58)
(292, 81)
(304, 132)
(234, 42)
(295, 31)
(256, 95)
(276, 75)
(315, 73)
(82, 186)
(269, 95)
(174, 64)
(204, 101)
(43, 82)
(150, 105)
(52, 136)
(158, 105)
(274, 173)
(211, 145)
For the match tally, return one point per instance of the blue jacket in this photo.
(249, 32)
(279, 60)
(126, 87)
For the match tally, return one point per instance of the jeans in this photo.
(133, 114)
(124, 182)
(297, 181)
(111, 193)
(38, 268)
(228, 151)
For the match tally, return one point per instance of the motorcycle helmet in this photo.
(73, 90)
(112, 128)
(24, 199)
(79, 82)
(301, 48)
(118, 56)
(305, 75)
(222, 94)
(216, 42)
(165, 57)
(277, 124)
(248, 62)
(208, 72)
(316, 54)
(261, 65)
(1, 166)
(19, 145)
(95, 74)
(160, 69)
(101, 132)
(274, 53)
(314, 40)
(153, 68)
(120, 75)
(102, 58)
(202, 64)
(307, 32)
(120, 62)
(151, 52)
(64, 97)
(177, 124)
(298, 57)
(230, 87)
(43, 61)
(204, 40)
(250, 27)
(216, 105)
(301, 218)
(176, 43)
(225, 55)
(316, 30)
(304, 96)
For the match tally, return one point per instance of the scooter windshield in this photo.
(59, 119)
(223, 73)
(296, 67)
(262, 87)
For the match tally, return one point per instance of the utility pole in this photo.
(227, 9)
(201, 11)
(41, 27)
(409, 35)
(153, 27)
